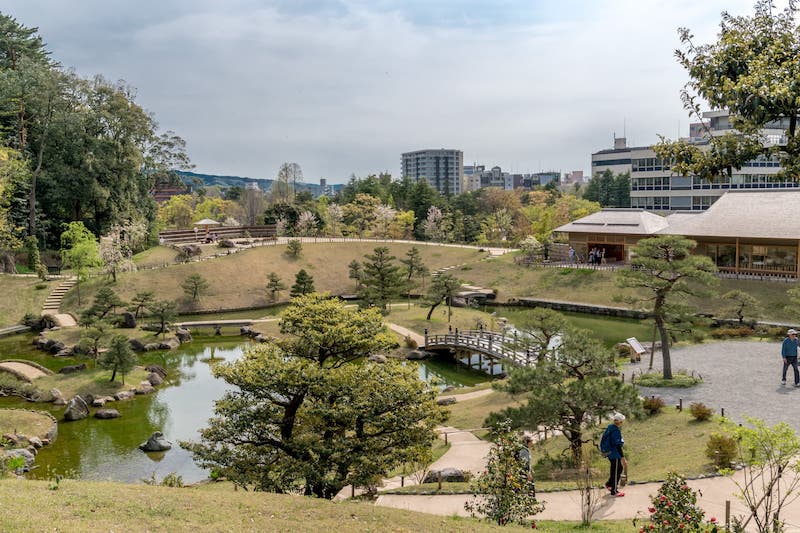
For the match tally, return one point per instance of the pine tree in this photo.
(303, 284)
(382, 279)
(274, 285)
(119, 357)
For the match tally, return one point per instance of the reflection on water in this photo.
(108, 449)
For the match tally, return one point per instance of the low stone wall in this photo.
(578, 307)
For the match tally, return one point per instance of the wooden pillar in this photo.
(480, 361)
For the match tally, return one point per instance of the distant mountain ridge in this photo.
(224, 181)
(264, 184)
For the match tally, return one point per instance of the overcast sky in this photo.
(345, 86)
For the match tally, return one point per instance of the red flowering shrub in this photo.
(675, 510)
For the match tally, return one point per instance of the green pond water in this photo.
(108, 449)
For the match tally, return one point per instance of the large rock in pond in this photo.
(105, 414)
(415, 355)
(156, 443)
(183, 335)
(77, 409)
(154, 379)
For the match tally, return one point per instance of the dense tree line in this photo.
(73, 149)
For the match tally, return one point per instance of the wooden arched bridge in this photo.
(494, 346)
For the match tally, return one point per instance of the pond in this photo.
(108, 449)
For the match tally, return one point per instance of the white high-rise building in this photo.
(443, 169)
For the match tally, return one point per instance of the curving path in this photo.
(22, 370)
(741, 376)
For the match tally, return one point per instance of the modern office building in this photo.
(655, 187)
(443, 169)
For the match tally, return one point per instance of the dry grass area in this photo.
(20, 296)
(24, 422)
(239, 280)
(104, 506)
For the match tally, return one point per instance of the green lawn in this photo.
(22, 295)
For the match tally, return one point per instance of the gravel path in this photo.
(742, 377)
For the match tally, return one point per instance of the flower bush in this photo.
(674, 510)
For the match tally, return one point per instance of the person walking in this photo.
(571, 255)
(616, 457)
(789, 354)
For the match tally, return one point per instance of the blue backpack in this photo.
(605, 443)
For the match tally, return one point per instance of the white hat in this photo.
(618, 417)
(791, 332)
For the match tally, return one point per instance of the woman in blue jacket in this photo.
(616, 457)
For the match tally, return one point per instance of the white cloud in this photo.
(347, 88)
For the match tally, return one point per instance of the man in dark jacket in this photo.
(616, 457)
(789, 354)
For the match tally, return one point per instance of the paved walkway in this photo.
(743, 377)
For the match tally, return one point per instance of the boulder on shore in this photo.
(105, 414)
(156, 443)
(144, 388)
(77, 409)
(183, 335)
(124, 395)
(158, 369)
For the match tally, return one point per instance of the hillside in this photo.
(103, 506)
(239, 280)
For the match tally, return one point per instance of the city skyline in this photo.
(345, 87)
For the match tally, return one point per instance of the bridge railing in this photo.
(494, 344)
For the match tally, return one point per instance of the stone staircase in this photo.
(53, 302)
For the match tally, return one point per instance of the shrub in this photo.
(722, 450)
(674, 508)
(172, 480)
(40, 286)
(226, 243)
(653, 405)
(679, 379)
(411, 343)
(722, 333)
(701, 412)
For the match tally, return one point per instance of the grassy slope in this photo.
(599, 287)
(101, 506)
(239, 280)
(26, 297)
